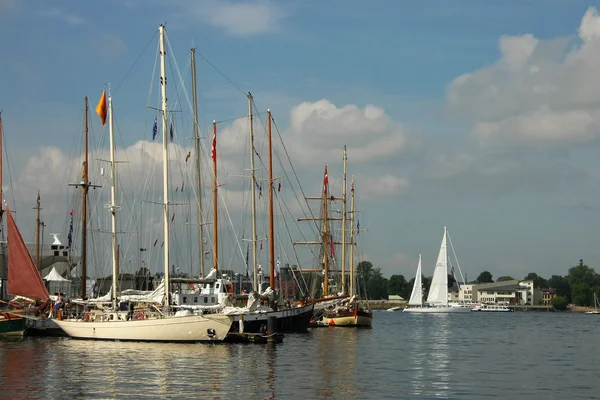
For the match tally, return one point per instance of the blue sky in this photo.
(484, 115)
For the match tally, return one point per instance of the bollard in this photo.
(272, 328)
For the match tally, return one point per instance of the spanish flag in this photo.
(101, 107)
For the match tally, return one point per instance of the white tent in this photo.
(56, 283)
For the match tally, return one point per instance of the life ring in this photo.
(139, 315)
(86, 317)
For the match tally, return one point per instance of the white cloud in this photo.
(319, 130)
(537, 91)
(239, 18)
(375, 187)
(71, 19)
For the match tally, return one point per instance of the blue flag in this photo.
(70, 235)
(154, 128)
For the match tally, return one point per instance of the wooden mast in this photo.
(37, 231)
(352, 238)
(84, 192)
(85, 186)
(253, 179)
(215, 201)
(271, 228)
(326, 240)
(198, 174)
(344, 226)
(1, 190)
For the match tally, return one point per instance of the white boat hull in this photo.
(189, 328)
(394, 309)
(437, 310)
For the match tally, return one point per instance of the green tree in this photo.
(505, 278)
(365, 270)
(538, 281)
(485, 277)
(559, 303)
(561, 285)
(377, 285)
(397, 285)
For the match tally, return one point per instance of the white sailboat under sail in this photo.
(437, 299)
(151, 323)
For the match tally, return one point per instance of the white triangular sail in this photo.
(416, 297)
(438, 292)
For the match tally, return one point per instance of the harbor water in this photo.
(520, 355)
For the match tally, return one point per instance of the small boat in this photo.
(492, 308)
(11, 325)
(596, 305)
(392, 309)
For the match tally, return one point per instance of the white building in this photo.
(512, 292)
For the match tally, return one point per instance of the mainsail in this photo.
(416, 297)
(438, 292)
(23, 276)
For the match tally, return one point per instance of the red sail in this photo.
(23, 276)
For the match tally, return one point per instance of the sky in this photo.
(479, 116)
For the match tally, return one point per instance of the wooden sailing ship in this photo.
(341, 308)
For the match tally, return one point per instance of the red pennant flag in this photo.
(213, 149)
(325, 181)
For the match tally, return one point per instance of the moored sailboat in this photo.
(151, 323)
(23, 280)
(350, 312)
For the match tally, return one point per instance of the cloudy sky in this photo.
(481, 116)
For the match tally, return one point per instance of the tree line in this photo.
(576, 287)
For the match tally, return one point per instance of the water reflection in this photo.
(338, 349)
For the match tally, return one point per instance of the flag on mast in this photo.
(101, 107)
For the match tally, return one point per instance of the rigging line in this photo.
(135, 62)
(293, 247)
(294, 171)
(245, 93)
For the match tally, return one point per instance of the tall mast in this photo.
(271, 228)
(198, 174)
(215, 200)
(344, 226)
(163, 86)
(37, 231)
(326, 243)
(352, 238)
(1, 190)
(84, 192)
(251, 119)
(113, 202)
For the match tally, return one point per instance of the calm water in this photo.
(471, 356)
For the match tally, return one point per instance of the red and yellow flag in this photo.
(101, 107)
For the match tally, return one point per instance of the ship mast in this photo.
(37, 231)
(253, 183)
(163, 86)
(344, 226)
(352, 238)
(325, 237)
(85, 185)
(271, 228)
(198, 174)
(215, 201)
(1, 190)
(113, 200)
